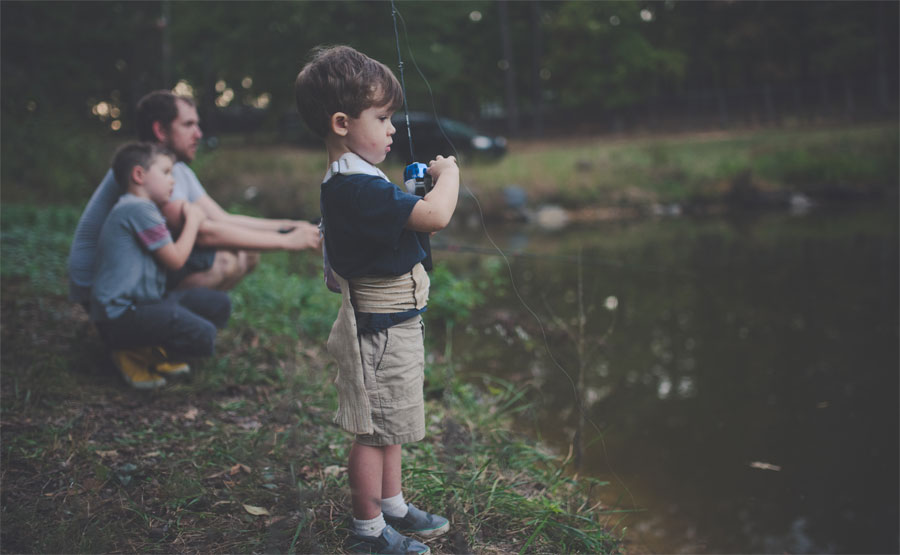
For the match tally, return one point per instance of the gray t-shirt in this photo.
(125, 271)
(84, 243)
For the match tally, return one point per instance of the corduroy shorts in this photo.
(393, 363)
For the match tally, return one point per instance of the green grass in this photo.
(114, 469)
(635, 171)
(679, 168)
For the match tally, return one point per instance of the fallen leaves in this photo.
(256, 511)
(231, 471)
(765, 466)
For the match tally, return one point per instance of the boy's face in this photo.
(369, 135)
(158, 180)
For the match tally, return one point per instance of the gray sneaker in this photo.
(390, 542)
(419, 522)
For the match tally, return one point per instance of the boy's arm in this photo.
(434, 210)
(173, 255)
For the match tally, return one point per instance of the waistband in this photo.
(390, 294)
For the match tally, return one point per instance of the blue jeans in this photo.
(184, 322)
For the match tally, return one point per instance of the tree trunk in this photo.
(509, 73)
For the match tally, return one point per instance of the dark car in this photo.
(430, 139)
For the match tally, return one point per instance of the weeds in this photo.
(242, 456)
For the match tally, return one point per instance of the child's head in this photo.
(147, 166)
(341, 79)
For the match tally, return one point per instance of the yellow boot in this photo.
(166, 367)
(134, 365)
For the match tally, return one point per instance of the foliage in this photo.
(276, 301)
(606, 56)
(35, 244)
(451, 298)
(586, 55)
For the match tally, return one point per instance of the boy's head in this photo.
(145, 165)
(341, 79)
(163, 116)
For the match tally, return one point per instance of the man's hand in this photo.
(304, 236)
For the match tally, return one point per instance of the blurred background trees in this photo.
(72, 70)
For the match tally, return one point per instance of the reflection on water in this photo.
(743, 373)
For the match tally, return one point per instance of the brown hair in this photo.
(161, 106)
(133, 154)
(341, 79)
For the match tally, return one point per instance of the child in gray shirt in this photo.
(129, 304)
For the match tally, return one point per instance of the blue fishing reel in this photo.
(416, 179)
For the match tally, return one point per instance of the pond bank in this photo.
(604, 177)
(241, 457)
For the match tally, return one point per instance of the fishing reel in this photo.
(417, 180)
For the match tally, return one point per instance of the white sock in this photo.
(369, 527)
(395, 506)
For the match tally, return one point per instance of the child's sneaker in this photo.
(388, 543)
(419, 522)
(134, 365)
(168, 367)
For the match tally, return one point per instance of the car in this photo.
(432, 135)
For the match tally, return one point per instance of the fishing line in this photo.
(396, 13)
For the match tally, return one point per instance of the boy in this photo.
(371, 239)
(129, 304)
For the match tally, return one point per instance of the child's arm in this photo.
(434, 211)
(173, 255)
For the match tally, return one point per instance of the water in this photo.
(745, 384)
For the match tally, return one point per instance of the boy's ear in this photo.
(137, 174)
(159, 131)
(340, 123)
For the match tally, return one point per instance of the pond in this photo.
(740, 384)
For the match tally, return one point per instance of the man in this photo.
(227, 244)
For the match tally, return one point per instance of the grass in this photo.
(636, 171)
(242, 457)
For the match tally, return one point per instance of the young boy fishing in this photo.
(129, 304)
(372, 242)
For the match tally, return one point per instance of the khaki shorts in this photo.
(393, 363)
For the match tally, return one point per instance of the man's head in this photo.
(145, 165)
(171, 120)
(341, 79)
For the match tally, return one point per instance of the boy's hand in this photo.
(173, 212)
(440, 165)
(193, 212)
(304, 236)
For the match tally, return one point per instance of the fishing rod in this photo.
(414, 175)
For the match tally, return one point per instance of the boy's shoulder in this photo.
(131, 207)
(358, 188)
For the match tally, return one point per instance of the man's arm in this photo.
(225, 234)
(304, 235)
(216, 213)
(434, 210)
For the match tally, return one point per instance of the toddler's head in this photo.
(341, 79)
(129, 155)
